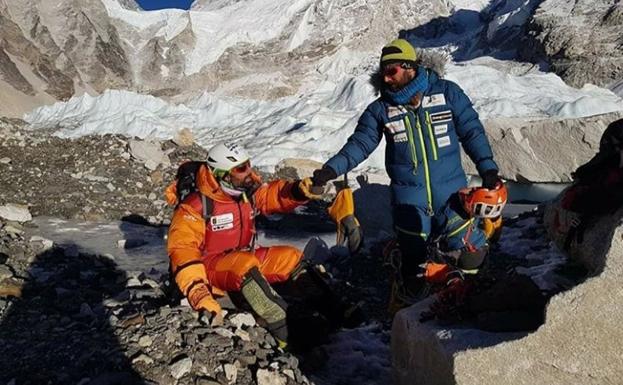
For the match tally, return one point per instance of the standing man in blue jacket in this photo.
(423, 119)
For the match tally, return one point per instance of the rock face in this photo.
(72, 41)
(543, 150)
(296, 168)
(574, 346)
(51, 51)
(559, 31)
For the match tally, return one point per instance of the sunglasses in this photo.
(241, 169)
(393, 69)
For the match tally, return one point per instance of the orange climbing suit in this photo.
(220, 251)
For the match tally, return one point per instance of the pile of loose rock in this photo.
(67, 317)
(92, 177)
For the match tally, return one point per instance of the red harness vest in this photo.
(229, 225)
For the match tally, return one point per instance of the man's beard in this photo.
(398, 86)
(248, 186)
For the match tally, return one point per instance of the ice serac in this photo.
(577, 344)
(543, 150)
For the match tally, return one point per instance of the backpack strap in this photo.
(207, 205)
(186, 179)
(255, 214)
(202, 204)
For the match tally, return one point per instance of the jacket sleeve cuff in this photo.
(338, 164)
(189, 274)
(486, 165)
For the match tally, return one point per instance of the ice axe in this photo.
(342, 211)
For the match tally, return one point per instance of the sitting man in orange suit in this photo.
(211, 242)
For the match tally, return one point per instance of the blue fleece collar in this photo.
(404, 96)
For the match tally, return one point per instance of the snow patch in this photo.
(256, 22)
(546, 256)
(514, 13)
(497, 93)
(357, 356)
(303, 31)
(316, 123)
(473, 5)
(170, 22)
(215, 29)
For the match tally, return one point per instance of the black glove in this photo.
(350, 234)
(323, 175)
(490, 179)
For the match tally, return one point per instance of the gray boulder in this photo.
(150, 153)
(16, 213)
(295, 168)
(267, 377)
(524, 149)
(579, 343)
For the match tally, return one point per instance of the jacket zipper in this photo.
(433, 143)
(429, 193)
(411, 144)
(241, 224)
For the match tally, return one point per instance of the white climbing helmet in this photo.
(225, 156)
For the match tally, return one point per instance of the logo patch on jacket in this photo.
(393, 111)
(434, 100)
(440, 117)
(440, 129)
(400, 137)
(222, 222)
(397, 130)
(395, 126)
(190, 218)
(444, 141)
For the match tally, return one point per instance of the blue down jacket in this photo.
(422, 154)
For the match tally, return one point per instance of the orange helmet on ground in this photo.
(482, 202)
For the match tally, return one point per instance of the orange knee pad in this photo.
(278, 262)
(226, 271)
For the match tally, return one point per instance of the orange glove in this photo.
(306, 189)
(200, 299)
(342, 211)
(436, 272)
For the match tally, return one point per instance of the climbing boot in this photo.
(267, 304)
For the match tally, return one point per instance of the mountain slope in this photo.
(581, 40)
(51, 51)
